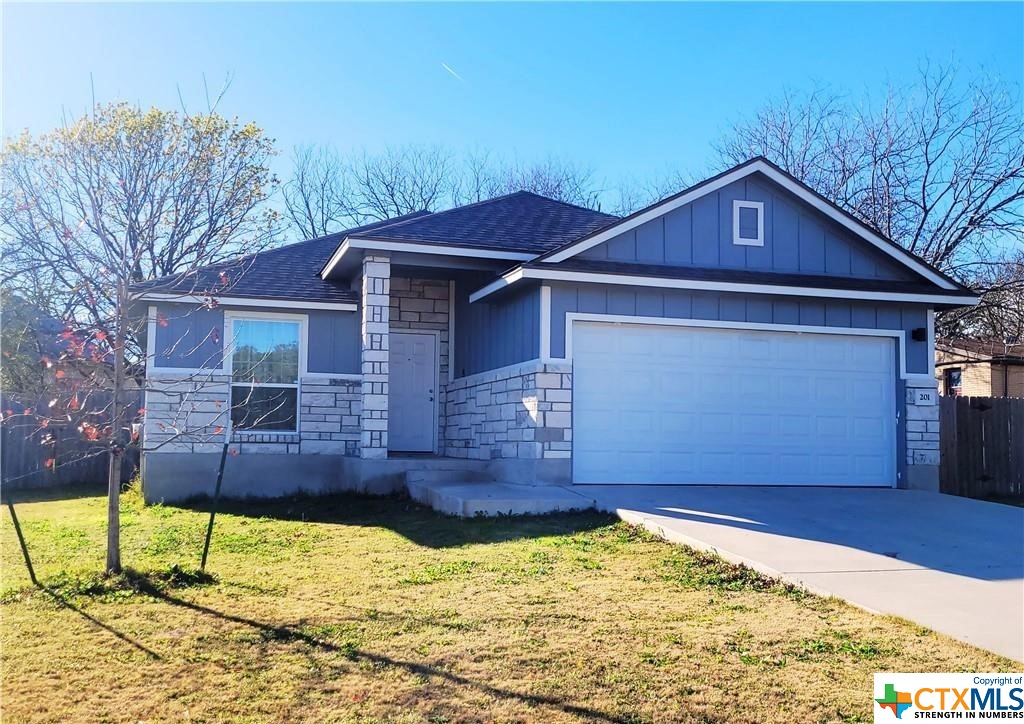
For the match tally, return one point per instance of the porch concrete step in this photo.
(470, 499)
(451, 476)
(439, 463)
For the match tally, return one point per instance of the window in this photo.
(952, 381)
(264, 374)
(748, 223)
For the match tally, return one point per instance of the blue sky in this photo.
(629, 90)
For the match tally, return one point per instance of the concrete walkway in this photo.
(951, 564)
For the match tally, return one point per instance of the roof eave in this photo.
(369, 243)
(520, 273)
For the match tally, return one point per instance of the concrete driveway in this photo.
(951, 564)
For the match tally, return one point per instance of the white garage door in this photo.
(692, 405)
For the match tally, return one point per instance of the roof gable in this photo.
(803, 195)
(795, 238)
(519, 222)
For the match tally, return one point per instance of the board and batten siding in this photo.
(727, 307)
(334, 342)
(797, 238)
(191, 337)
(494, 333)
(188, 337)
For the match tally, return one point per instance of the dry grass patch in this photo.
(370, 609)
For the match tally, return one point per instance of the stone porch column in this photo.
(373, 419)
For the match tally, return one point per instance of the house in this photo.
(976, 368)
(744, 331)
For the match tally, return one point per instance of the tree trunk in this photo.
(116, 439)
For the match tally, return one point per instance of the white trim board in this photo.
(416, 248)
(781, 179)
(518, 273)
(898, 334)
(260, 302)
(757, 206)
(545, 322)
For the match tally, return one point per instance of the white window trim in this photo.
(739, 240)
(229, 342)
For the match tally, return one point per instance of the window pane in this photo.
(748, 223)
(265, 351)
(264, 408)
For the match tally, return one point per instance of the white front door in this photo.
(689, 405)
(412, 392)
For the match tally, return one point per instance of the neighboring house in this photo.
(973, 368)
(743, 331)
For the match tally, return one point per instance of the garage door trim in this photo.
(613, 321)
(898, 334)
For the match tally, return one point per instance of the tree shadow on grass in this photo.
(56, 492)
(64, 603)
(407, 518)
(350, 652)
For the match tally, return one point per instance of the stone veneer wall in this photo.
(523, 411)
(189, 414)
(424, 304)
(374, 306)
(922, 427)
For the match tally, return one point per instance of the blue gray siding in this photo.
(797, 238)
(492, 334)
(334, 342)
(189, 337)
(681, 304)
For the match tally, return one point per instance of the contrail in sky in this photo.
(449, 69)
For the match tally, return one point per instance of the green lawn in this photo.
(373, 609)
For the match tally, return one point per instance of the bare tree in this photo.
(482, 176)
(317, 198)
(937, 167)
(115, 198)
(328, 192)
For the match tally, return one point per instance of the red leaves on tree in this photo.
(224, 279)
(218, 430)
(74, 404)
(211, 303)
(234, 452)
(89, 431)
(59, 374)
(49, 463)
(161, 320)
(101, 335)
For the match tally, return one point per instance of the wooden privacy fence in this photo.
(26, 449)
(981, 442)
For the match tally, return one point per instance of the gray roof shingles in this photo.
(288, 272)
(521, 222)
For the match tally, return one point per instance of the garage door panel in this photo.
(715, 406)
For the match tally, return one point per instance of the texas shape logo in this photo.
(897, 701)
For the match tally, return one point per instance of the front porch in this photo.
(416, 396)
